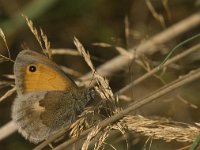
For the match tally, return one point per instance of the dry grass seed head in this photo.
(4, 58)
(90, 136)
(77, 127)
(46, 43)
(122, 128)
(82, 122)
(104, 89)
(40, 37)
(85, 54)
(5, 42)
(161, 128)
(105, 133)
(101, 81)
(102, 138)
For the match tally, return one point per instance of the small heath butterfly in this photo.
(47, 99)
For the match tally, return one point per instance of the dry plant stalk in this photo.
(186, 102)
(127, 31)
(4, 83)
(166, 7)
(7, 130)
(70, 71)
(156, 69)
(146, 64)
(161, 128)
(120, 50)
(157, 16)
(67, 51)
(8, 93)
(71, 52)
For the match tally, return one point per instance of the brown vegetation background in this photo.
(125, 24)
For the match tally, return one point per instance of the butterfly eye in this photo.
(32, 68)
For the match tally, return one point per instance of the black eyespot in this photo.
(32, 68)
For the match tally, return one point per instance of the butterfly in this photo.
(47, 99)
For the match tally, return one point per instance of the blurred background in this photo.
(103, 21)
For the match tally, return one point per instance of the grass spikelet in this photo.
(46, 43)
(161, 128)
(40, 37)
(102, 82)
(82, 123)
(100, 142)
(4, 58)
(85, 54)
(90, 136)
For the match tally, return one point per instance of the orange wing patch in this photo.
(45, 78)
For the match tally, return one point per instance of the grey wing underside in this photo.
(40, 114)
